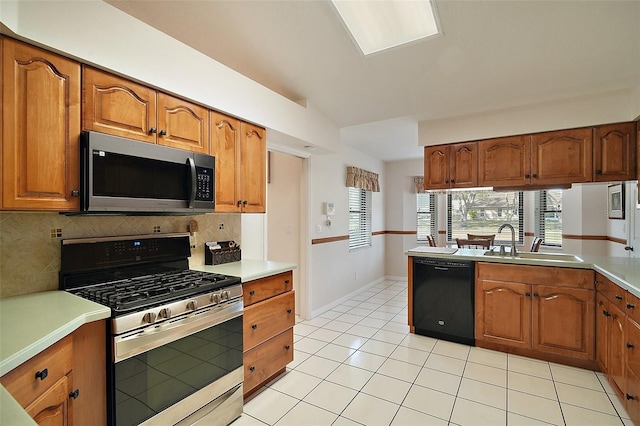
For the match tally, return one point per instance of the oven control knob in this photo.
(215, 298)
(226, 295)
(165, 313)
(192, 305)
(149, 318)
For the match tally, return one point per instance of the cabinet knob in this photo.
(74, 394)
(163, 132)
(75, 193)
(598, 172)
(42, 374)
(606, 313)
(252, 369)
(153, 130)
(630, 306)
(239, 203)
(527, 294)
(288, 311)
(630, 397)
(453, 181)
(287, 347)
(254, 326)
(287, 281)
(245, 202)
(252, 293)
(535, 176)
(535, 295)
(618, 297)
(527, 175)
(629, 345)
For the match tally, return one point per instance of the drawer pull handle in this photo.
(254, 326)
(252, 369)
(42, 374)
(606, 313)
(287, 347)
(74, 394)
(286, 282)
(630, 306)
(252, 293)
(618, 297)
(288, 311)
(629, 346)
(630, 397)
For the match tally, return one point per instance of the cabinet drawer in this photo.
(264, 288)
(266, 359)
(22, 381)
(565, 277)
(265, 319)
(615, 294)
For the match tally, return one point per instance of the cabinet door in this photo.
(463, 166)
(603, 321)
(116, 106)
(182, 124)
(253, 163)
(436, 167)
(563, 321)
(503, 313)
(614, 151)
(562, 157)
(52, 407)
(40, 129)
(504, 161)
(225, 146)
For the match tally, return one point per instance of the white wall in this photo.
(618, 106)
(97, 33)
(335, 271)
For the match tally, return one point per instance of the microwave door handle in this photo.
(192, 190)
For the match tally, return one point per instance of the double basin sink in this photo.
(558, 257)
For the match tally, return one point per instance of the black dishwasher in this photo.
(443, 299)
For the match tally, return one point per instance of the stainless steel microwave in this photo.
(119, 175)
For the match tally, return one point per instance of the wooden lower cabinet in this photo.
(66, 382)
(269, 317)
(517, 311)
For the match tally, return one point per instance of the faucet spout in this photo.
(514, 252)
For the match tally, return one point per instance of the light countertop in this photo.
(248, 270)
(31, 323)
(623, 271)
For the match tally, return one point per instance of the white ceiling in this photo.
(492, 55)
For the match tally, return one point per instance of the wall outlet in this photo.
(318, 228)
(221, 226)
(356, 275)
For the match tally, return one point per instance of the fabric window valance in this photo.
(363, 179)
(418, 182)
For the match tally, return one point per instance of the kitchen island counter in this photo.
(623, 271)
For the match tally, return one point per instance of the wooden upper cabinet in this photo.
(614, 152)
(253, 164)
(182, 124)
(504, 161)
(116, 106)
(225, 147)
(451, 166)
(564, 156)
(436, 167)
(40, 129)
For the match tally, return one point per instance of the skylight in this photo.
(377, 25)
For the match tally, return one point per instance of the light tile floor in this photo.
(357, 364)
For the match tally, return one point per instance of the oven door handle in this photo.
(140, 341)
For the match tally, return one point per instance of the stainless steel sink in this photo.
(558, 257)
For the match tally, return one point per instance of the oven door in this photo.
(167, 372)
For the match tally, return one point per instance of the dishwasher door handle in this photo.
(440, 268)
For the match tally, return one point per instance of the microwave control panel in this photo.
(204, 187)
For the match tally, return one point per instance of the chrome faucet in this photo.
(514, 252)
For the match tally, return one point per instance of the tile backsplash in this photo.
(30, 242)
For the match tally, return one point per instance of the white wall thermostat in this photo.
(330, 209)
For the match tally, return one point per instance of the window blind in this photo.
(359, 218)
(549, 217)
(425, 215)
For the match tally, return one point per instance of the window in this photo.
(549, 217)
(482, 212)
(425, 215)
(359, 218)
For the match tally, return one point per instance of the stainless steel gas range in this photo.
(175, 335)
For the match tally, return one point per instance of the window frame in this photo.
(360, 210)
(433, 219)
